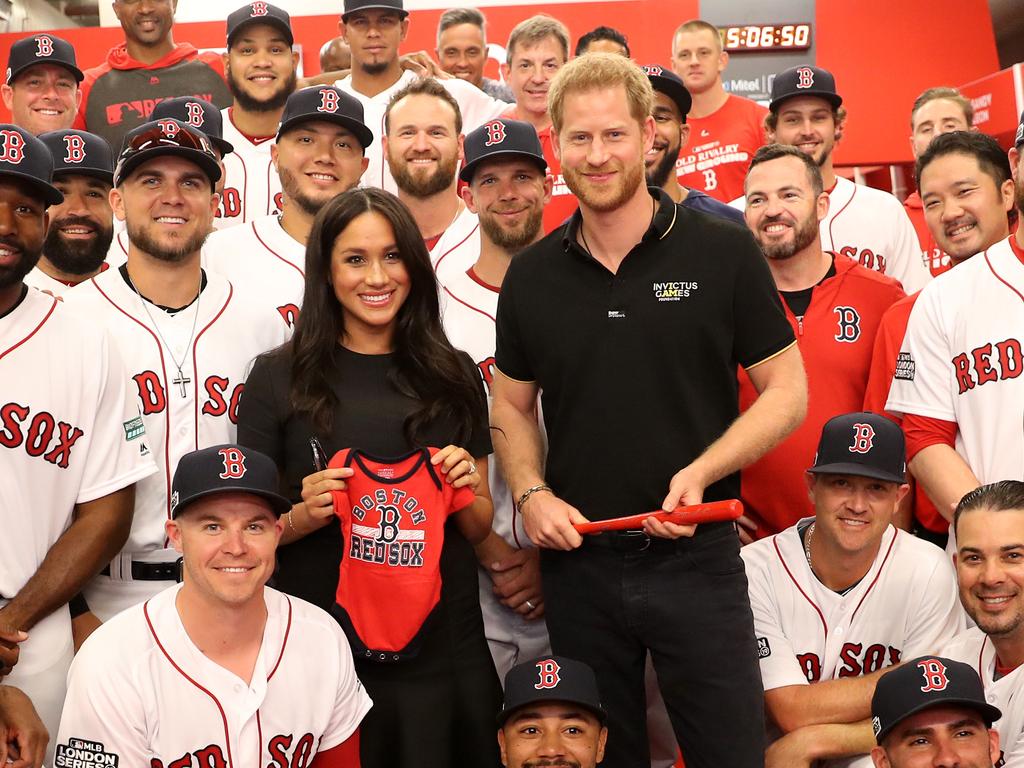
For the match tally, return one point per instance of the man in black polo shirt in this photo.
(632, 318)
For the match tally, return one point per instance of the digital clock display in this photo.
(766, 37)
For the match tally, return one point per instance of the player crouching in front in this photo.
(219, 670)
(842, 596)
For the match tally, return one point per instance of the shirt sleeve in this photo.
(779, 665)
(351, 700)
(510, 356)
(260, 420)
(922, 382)
(118, 452)
(922, 431)
(937, 617)
(761, 327)
(480, 441)
(883, 362)
(476, 106)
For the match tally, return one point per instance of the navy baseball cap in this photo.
(1018, 140)
(804, 80)
(325, 102)
(226, 469)
(28, 159)
(864, 444)
(923, 683)
(666, 81)
(168, 137)
(550, 678)
(260, 13)
(79, 152)
(501, 138)
(351, 6)
(41, 49)
(200, 114)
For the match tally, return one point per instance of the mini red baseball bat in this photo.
(712, 512)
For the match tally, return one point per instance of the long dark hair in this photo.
(427, 366)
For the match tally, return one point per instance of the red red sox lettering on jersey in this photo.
(40, 434)
(252, 187)
(393, 514)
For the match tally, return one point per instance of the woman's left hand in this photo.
(458, 467)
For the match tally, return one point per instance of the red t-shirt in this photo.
(721, 147)
(563, 202)
(836, 337)
(936, 259)
(888, 341)
(392, 513)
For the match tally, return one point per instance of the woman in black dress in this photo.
(369, 367)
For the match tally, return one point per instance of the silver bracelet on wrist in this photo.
(529, 492)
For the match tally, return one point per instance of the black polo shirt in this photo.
(638, 369)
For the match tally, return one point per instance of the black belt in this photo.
(631, 541)
(152, 571)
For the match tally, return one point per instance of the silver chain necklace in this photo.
(182, 379)
(807, 545)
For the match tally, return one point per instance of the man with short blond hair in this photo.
(592, 317)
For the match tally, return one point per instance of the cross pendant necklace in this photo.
(182, 381)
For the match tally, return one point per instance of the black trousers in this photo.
(620, 596)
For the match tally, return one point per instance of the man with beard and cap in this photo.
(507, 188)
(41, 90)
(423, 146)
(957, 382)
(73, 445)
(967, 182)
(671, 133)
(635, 351)
(320, 152)
(81, 228)
(187, 335)
(834, 306)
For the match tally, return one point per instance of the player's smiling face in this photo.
(552, 734)
(807, 123)
(43, 98)
(940, 736)
(422, 145)
(990, 572)
(316, 161)
(146, 23)
(462, 52)
(964, 209)
(670, 134)
(22, 226)
(782, 210)
(81, 228)
(601, 147)
(167, 205)
(260, 68)
(228, 542)
(509, 196)
(530, 72)
(851, 512)
(370, 281)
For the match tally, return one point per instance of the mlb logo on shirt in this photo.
(764, 650)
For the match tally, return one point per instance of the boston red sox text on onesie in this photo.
(393, 513)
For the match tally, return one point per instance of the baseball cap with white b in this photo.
(864, 444)
(550, 678)
(226, 468)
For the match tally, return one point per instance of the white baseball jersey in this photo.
(264, 262)
(117, 254)
(973, 647)
(43, 282)
(458, 247)
(476, 107)
(871, 227)
(905, 606)
(252, 188)
(140, 693)
(182, 413)
(70, 433)
(961, 360)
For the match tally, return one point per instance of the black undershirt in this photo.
(799, 301)
(169, 310)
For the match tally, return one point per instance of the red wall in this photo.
(882, 52)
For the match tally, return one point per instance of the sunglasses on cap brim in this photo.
(158, 137)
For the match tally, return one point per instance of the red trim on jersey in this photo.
(831, 237)
(180, 671)
(195, 362)
(167, 408)
(245, 186)
(831, 189)
(42, 322)
(284, 642)
(254, 140)
(480, 281)
(468, 305)
(999, 277)
(344, 755)
(923, 431)
(1017, 251)
(800, 589)
(259, 736)
(122, 232)
(430, 242)
(445, 254)
(877, 575)
(275, 253)
(1003, 671)
(981, 656)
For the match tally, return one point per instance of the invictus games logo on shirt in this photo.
(764, 650)
(674, 290)
(78, 753)
(904, 366)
